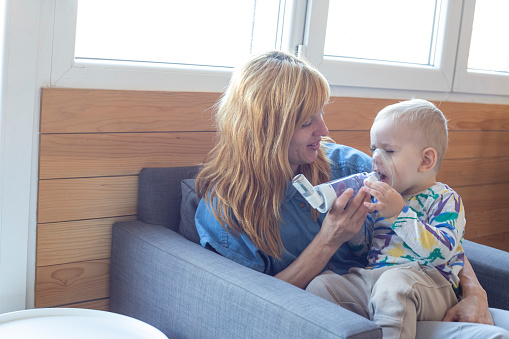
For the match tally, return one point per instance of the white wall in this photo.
(2, 39)
(18, 152)
(30, 41)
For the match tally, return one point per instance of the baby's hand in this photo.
(390, 203)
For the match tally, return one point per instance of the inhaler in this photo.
(321, 197)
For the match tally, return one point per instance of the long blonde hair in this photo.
(247, 171)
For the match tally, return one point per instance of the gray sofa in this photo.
(161, 275)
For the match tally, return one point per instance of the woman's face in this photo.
(305, 141)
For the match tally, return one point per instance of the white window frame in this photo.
(359, 73)
(68, 72)
(305, 26)
(472, 81)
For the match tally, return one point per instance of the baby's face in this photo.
(398, 143)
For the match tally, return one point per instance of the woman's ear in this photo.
(429, 158)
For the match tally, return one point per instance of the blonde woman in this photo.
(270, 128)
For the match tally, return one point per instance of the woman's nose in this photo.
(322, 129)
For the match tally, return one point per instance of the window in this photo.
(163, 44)
(483, 54)
(398, 31)
(191, 32)
(489, 50)
(442, 46)
(388, 44)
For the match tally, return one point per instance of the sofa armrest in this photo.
(490, 266)
(186, 291)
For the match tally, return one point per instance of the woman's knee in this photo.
(333, 287)
(318, 285)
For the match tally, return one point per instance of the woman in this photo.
(270, 128)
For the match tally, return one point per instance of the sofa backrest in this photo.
(160, 195)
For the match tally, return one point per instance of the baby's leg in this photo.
(350, 291)
(404, 294)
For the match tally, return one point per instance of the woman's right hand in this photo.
(341, 223)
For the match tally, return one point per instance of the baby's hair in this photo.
(422, 116)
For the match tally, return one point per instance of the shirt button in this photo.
(330, 267)
(303, 204)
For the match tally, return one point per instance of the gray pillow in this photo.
(188, 206)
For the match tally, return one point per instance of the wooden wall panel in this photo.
(100, 304)
(476, 116)
(67, 110)
(477, 144)
(93, 144)
(106, 154)
(74, 241)
(474, 171)
(79, 111)
(353, 114)
(485, 209)
(355, 139)
(87, 198)
(499, 240)
(358, 114)
(462, 144)
(70, 283)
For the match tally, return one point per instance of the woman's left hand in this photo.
(473, 306)
(472, 309)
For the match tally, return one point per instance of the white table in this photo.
(73, 323)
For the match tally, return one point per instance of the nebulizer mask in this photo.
(321, 197)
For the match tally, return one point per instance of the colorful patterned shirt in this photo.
(429, 230)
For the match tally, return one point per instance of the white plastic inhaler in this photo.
(321, 197)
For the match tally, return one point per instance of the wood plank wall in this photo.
(93, 144)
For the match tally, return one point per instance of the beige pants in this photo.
(394, 297)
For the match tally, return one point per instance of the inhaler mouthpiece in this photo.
(382, 164)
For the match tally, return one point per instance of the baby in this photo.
(414, 232)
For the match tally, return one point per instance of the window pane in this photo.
(195, 32)
(489, 47)
(385, 30)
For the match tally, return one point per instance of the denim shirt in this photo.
(298, 229)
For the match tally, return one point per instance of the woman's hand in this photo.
(340, 225)
(345, 218)
(473, 306)
(390, 202)
(470, 309)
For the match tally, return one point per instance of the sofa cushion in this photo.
(159, 194)
(188, 207)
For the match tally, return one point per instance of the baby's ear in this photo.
(429, 158)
